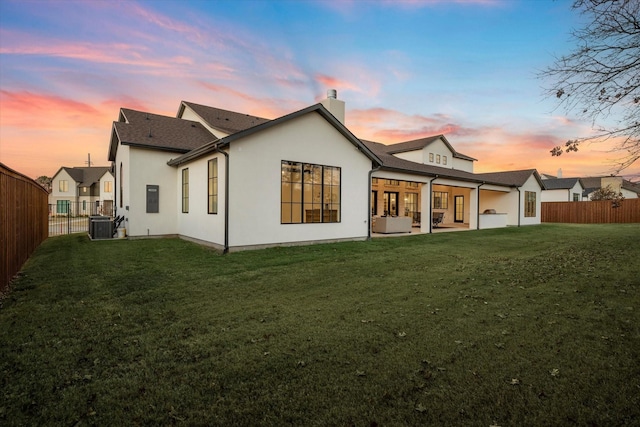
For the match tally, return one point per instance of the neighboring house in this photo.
(82, 191)
(618, 184)
(236, 181)
(562, 190)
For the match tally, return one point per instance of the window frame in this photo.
(443, 202)
(63, 186)
(212, 186)
(529, 204)
(308, 193)
(185, 190)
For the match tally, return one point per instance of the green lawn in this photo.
(534, 326)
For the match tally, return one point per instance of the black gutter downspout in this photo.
(369, 215)
(431, 204)
(519, 203)
(226, 198)
(478, 205)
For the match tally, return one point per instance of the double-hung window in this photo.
(310, 193)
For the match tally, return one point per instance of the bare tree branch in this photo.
(600, 79)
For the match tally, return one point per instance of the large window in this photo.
(185, 190)
(529, 203)
(63, 186)
(212, 187)
(440, 200)
(309, 193)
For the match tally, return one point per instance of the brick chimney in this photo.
(334, 105)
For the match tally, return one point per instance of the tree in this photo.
(600, 78)
(45, 181)
(608, 193)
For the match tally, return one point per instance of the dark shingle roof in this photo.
(559, 183)
(515, 178)
(142, 129)
(392, 163)
(224, 120)
(419, 144)
(86, 176)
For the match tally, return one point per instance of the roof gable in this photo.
(317, 108)
(514, 178)
(227, 121)
(419, 144)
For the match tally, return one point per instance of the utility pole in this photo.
(88, 162)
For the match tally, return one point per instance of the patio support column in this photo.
(474, 196)
(425, 206)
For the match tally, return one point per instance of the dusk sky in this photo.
(406, 69)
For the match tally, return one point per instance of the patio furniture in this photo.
(436, 218)
(392, 224)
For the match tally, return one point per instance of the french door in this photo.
(458, 209)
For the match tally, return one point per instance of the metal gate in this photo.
(66, 217)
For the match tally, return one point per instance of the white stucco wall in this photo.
(56, 194)
(255, 183)
(562, 195)
(198, 223)
(142, 167)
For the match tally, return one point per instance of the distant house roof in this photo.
(419, 144)
(224, 120)
(85, 176)
(560, 183)
(141, 129)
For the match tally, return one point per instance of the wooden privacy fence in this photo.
(23, 221)
(592, 212)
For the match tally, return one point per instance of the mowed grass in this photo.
(519, 326)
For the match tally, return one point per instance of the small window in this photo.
(411, 184)
(374, 180)
(576, 197)
(444, 160)
(108, 186)
(529, 204)
(63, 186)
(438, 158)
(84, 189)
(431, 157)
(185, 190)
(391, 182)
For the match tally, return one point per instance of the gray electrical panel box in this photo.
(153, 198)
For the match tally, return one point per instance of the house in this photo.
(236, 181)
(562, 189)
(618, 184)
(82, 191)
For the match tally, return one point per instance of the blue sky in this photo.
(406, 70)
